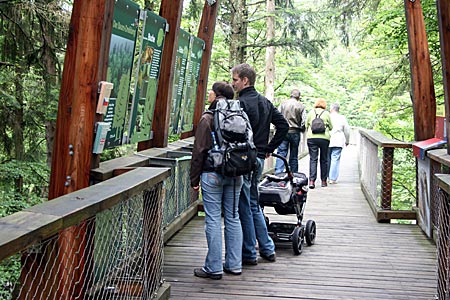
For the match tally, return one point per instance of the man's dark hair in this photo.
(245, 70)
(224, 89)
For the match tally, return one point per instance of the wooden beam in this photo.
(206, 33)
(423, 95)
(72, 153)
(443, 8)
(171, 10)
(72, 156)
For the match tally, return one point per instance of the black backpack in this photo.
(233, 152)
(317, 124)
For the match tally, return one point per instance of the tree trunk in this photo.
(238, 38)
(50, 77)
(270, 52)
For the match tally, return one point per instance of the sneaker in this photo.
(324, 183)
(203, 274)
(311, 184)
(228, 271)
(332, 181)
(271, 257)
(249, 262)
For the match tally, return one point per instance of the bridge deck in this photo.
(354, 257)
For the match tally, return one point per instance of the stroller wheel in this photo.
(310, 234)
(298, 239)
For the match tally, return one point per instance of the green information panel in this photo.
(144, 98)
(125, 24)
(190, 90)
(178, 81)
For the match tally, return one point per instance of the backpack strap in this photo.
(321, 113)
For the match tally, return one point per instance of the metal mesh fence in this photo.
(176, 187)
(370, 168)
(118, 254)
(388, 180)
(443, 248)
(434, 193)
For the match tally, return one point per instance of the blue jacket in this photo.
(262, 113)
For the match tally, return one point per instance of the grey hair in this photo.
(295, 94)
(335, 107)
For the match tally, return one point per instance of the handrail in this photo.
(42, 221)
(382, 141)
(371, 142)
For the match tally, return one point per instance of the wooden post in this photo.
(170, 10)
(443, 8)
(423, 95)
(84, 67)
(206, 33)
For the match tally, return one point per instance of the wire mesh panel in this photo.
(177, 186)
(117, 254)
(370, 168)
(443, 248)
(434, 193)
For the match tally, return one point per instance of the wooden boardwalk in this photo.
(354, 257)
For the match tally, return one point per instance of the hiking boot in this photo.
(271, 257)
(324, 183)
(311, 184)
(249, 262)
(203, 274)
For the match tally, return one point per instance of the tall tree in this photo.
(270, 52)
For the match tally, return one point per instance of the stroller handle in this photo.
(286, 164)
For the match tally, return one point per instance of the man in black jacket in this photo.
(261, 113)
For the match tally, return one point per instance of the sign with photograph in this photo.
(178, 81)
(120, 65)
(190, 91)
(146, 85)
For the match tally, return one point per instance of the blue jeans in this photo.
(218, 191)
(316, 145)
(334, 158)
(291, 141)
(252, 218)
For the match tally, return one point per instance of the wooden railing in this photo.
(99, 241)
(376, 174)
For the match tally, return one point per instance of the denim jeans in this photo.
(219, 191)
(252, 218)
(314, 146)
(334, 158)
(291, 141)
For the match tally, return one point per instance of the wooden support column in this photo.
(72, 158)
(206, 33)
(423, 95)
(443, 9)
(171, 10)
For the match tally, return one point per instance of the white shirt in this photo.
(340, 134)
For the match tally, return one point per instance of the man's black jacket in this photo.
(262, 113)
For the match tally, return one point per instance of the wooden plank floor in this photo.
(354, 257)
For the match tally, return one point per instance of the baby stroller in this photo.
(287, 193)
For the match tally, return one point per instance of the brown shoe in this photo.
(324, 183)
(311, 184)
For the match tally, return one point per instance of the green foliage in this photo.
(9, 275)
(34, 178)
